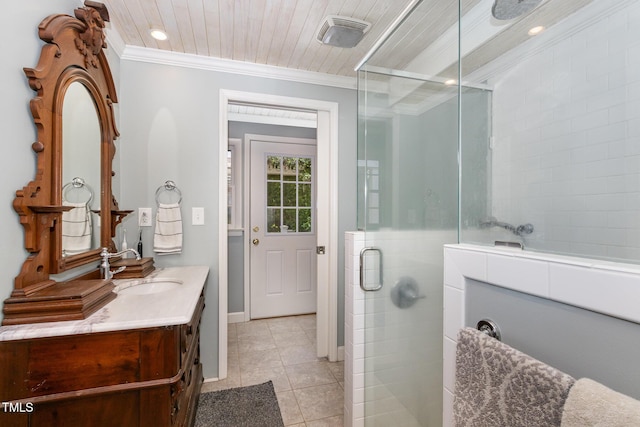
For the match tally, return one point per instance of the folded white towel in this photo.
(167, 238)
(592, 404)
(76, 229)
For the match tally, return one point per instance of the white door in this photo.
(282, 229)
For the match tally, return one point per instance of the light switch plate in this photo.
(144, 217)
(197, 216)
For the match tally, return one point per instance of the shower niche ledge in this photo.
(580, 282)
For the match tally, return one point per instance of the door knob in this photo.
(256, 242)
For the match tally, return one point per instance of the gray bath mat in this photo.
(252, 406)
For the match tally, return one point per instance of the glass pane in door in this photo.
(289, 194)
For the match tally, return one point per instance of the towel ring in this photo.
(77, 183)
(168, 186)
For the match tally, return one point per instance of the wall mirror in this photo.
(68, 211)
(80, 227)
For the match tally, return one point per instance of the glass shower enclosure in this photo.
(409, 208)
(409, 179)
(482, 127)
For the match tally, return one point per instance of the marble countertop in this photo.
(129, 310)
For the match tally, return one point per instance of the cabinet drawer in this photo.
(189, 330)
(62, 364)
(184, 404)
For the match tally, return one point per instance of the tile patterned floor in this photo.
(310, 390)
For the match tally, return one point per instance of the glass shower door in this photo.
(408, 208)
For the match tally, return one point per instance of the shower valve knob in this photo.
(406, 292)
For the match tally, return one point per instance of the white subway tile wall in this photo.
(566, 127)
(354, 334)
(393, 356)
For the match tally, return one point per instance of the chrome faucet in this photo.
(107, 274)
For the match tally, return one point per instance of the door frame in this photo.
(246, 224)
(327, 217)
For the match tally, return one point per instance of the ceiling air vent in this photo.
(342, 31)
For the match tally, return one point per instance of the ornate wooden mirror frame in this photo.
(73, 53)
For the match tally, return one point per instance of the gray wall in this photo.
(21, 48)
(579, 342)
(236, 274)
(169, 130)
(420, 152)
(236, 249)
(429, 149)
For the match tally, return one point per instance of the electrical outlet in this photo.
(144, 217)
(197, 216)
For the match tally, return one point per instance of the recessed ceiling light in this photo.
(450, 82)
(536, 30)
(158, 34)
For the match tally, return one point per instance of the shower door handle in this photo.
(378, 286)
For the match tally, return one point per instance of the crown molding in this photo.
(156, 56)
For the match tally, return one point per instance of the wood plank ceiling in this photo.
(280, 33)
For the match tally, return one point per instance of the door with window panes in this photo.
(282, 229)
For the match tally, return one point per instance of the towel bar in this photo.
(489, 327)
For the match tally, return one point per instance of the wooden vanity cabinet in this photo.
(141, 377)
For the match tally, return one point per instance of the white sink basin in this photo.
(150, 287)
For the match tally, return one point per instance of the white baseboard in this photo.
(340, 353)
(211, 380)
(236, 317)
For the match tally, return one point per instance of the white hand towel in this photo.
(167, 238)
(76, 229)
